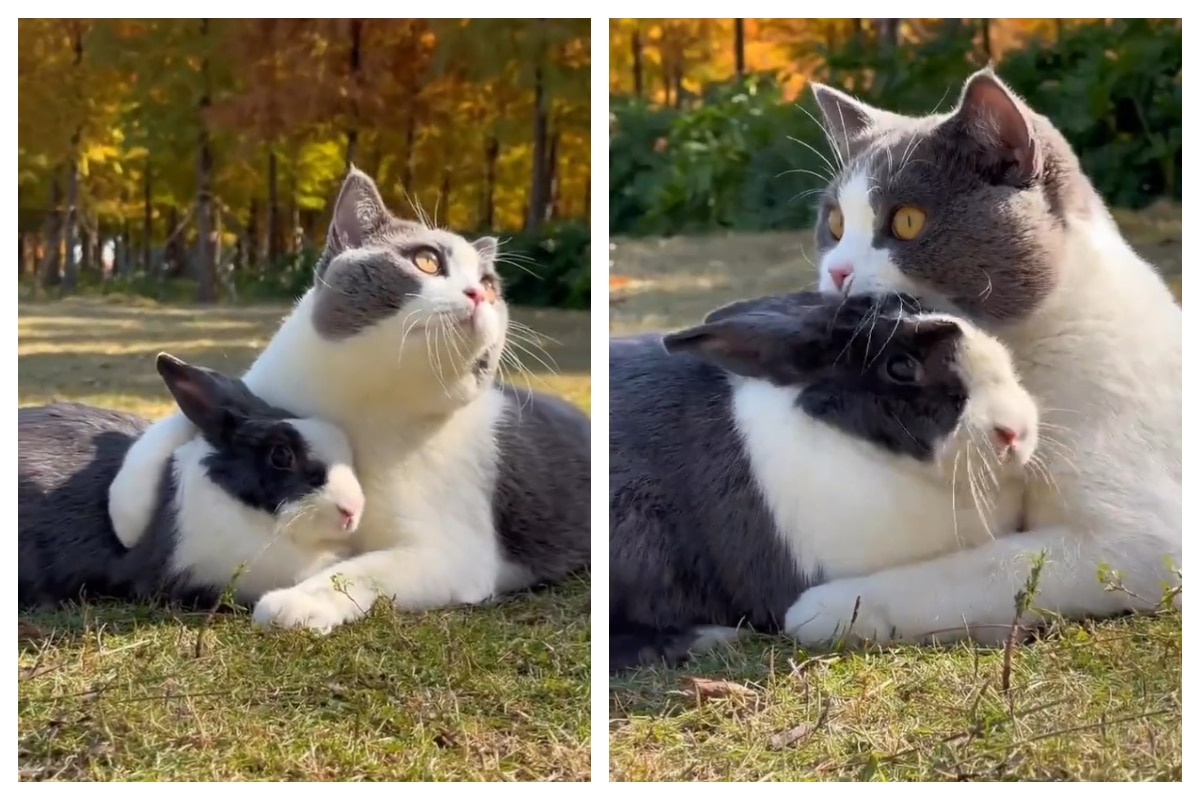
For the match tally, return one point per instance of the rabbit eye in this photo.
(282, 457)
(903, 369)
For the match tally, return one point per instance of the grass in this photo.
(1092, 701)
(123, 692)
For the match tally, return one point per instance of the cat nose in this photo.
(1006, 438)
(475, 294)
(839, 274)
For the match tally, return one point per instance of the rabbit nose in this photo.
(347, 517)
(1006, 438)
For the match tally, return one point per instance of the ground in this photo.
(116, 692)
(1093, 702)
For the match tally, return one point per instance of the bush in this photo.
(742, 158)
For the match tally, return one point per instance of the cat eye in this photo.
(903, 369)
(282, 457)
(837, 225)
(489, 288)
(907, 222)
(428, 261)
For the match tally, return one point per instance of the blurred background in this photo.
(196, 159)
(706, 114)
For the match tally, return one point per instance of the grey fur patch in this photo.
(996, 181)
(542, 501)
(691, 541)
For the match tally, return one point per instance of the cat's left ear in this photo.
(998, 124)
(487, 247)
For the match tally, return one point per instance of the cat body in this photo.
(398, 343)
(985, 212)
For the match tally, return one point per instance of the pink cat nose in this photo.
(840, 273)
(475, 293)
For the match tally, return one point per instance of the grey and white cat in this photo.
(472, 488)
(984, 211)
(258, 500)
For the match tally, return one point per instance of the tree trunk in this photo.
(552, 180)
(491, 155)
(251, 248)
(51, 267)
(541, 124)
(985, 36)
(410, 162)
(636, 44)
(274, 222)
(356, 34)
(147, 218)
(887, 34)
(739, 46)
(70, 232)
(443, 201)
(123, 255)
(205, 288)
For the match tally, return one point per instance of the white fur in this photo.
(1103, 359)
(221, 540)
(424, 444)
(846, 507)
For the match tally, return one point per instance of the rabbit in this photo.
(792, 440)
(258, 499)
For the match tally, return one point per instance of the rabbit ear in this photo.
(201, 394)
(756, 344)
(789, 303)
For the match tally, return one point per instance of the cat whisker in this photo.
(832, 172)
(829, 138)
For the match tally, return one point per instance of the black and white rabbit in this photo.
(793, 440)
(257, 494)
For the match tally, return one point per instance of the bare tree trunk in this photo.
(70, 231)
(51, 267)
(205, 288)
(410, 162)
(985, 35)
(541, 124)
(356, 35)
(552, 180)
(147, 218)
(442, 208)
(252, 247)
(887, 34)
(491, 154)
(636, 45)
(274, 222)
(739, 46)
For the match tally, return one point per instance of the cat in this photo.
(986, 213)
(473, 488)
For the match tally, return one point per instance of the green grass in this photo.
(1092, 701)
(122, 692)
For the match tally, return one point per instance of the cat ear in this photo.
(846, 118)
(754, 344)
(201, 395)
(358, 212)
(998, 124)
(487, 247)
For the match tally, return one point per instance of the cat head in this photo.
(423, 302)
(967, 210)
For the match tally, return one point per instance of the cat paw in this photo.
(839, 612)
(299, 608)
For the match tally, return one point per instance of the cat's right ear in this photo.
(201, 395)
(997, 125)
(358, 212)
(845, 118)
(755, 344)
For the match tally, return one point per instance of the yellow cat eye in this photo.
(837, 225)
(907, 222)
(428, 262)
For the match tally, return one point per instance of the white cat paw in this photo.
(298, 608)
(839, 612)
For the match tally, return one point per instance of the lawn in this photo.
(1097, 701)
(120, 692)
